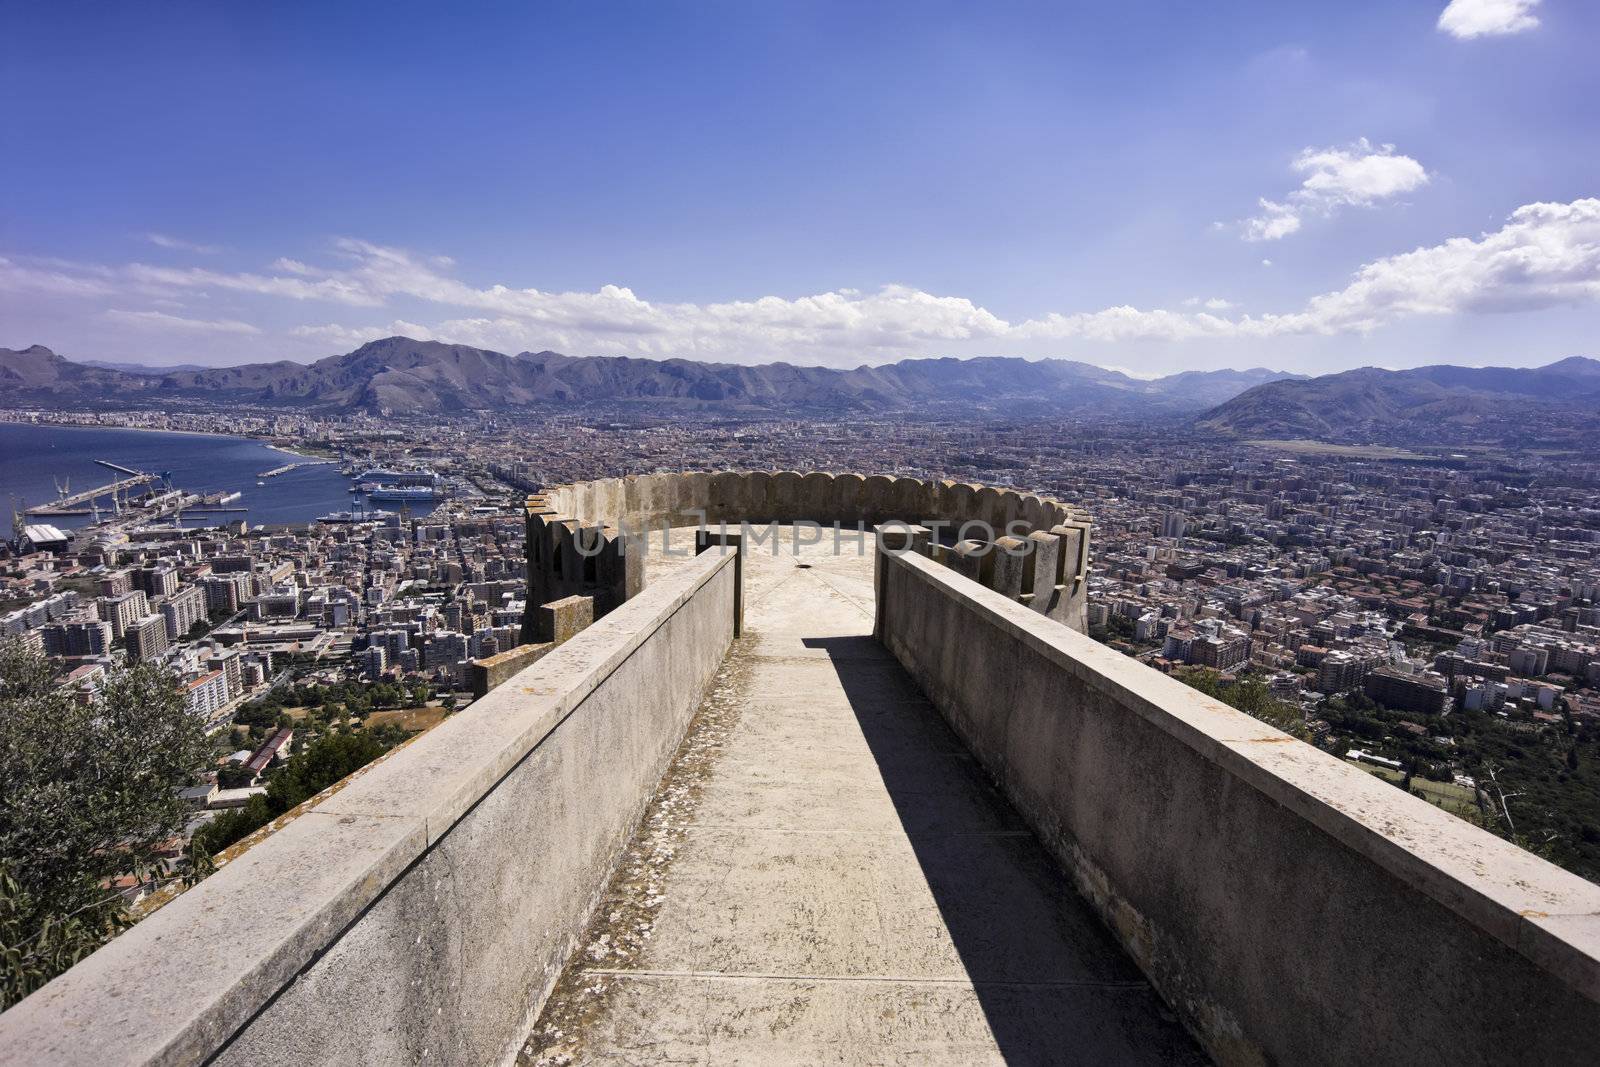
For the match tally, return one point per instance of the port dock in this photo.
(287, 467)
(70, 503)
(126, 509)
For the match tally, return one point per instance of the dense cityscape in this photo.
(1432, 617)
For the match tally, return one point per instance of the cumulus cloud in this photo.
(160, 320)
(1353, 175)
(1276, 220)
(1466, 19)
(1545, 255)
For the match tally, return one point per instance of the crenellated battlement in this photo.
(587, 538)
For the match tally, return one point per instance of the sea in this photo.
(34, 459)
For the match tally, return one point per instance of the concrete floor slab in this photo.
(718, 1021)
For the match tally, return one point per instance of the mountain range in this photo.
(1436, 404)
(398, 375)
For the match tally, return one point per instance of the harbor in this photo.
(131, 501)
(75, 476)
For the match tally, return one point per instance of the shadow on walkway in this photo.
(1055, 987)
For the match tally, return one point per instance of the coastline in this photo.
(263, 441)
(42, 457)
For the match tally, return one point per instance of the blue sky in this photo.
(1152, 186)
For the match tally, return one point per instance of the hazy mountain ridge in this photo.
(1439, 403)
(139, 368)
(400, 375)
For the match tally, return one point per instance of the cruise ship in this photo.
(406, 493)
(380, 477)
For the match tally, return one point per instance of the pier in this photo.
(66, 504)
(287, 467)
(127, 510)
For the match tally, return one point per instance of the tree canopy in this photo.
(87, 793)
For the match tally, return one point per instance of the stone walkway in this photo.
(825, 877)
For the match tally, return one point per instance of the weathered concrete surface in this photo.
(561, 620)
(421, 913)
(551, 624)
(1294, 909)
(492, 671)
(450, 963)
(827, 877)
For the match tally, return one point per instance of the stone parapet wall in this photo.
(587, 537)
(492, 671)
(1290, 907)
(421, 911)
(554, 624)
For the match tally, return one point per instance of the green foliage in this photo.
(386, 695)
(1549, 774)
(233, 776)
(1250, 695)
(323, 763)
(1120, 626)
(86, 794)
(262, 715)
(37, 943)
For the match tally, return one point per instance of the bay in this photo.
(34, 457)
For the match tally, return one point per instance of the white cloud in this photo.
(53, 279)
(178, 244)
(1466, 19)
(1545, 255)
(1276, 220)
(160, 320)
(355, 337)
(1354, 175)
(339, 290)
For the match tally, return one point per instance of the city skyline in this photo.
(1147, 190)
